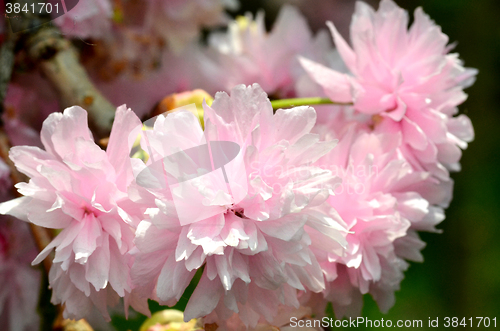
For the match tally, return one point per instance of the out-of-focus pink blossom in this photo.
(19, 282)
(180, 21)
(406, 79)
(175, 22)
(135, 67)
(174, 73)
(77, 187)
(148, 50)
(28, 102)
(247, 54)
(88, 19)
(338, 11)
(253, 244)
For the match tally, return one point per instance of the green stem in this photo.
(289, 103)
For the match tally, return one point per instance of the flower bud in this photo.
(177, 100)
(169, 320)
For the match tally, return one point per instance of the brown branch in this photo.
(58, 60)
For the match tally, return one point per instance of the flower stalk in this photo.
(294, 102)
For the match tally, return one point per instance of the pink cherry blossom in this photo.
(77, 187)
(406, 79)
(254, 242)
(383, 210)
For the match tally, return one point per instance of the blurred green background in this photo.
(461, 273)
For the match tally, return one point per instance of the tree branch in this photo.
(59, 62)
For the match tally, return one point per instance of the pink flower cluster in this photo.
(77, 187)
(407, 81)
(397, 144)
(274, 212)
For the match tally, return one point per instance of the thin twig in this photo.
(289, 103)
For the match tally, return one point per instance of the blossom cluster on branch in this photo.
(271, 211)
